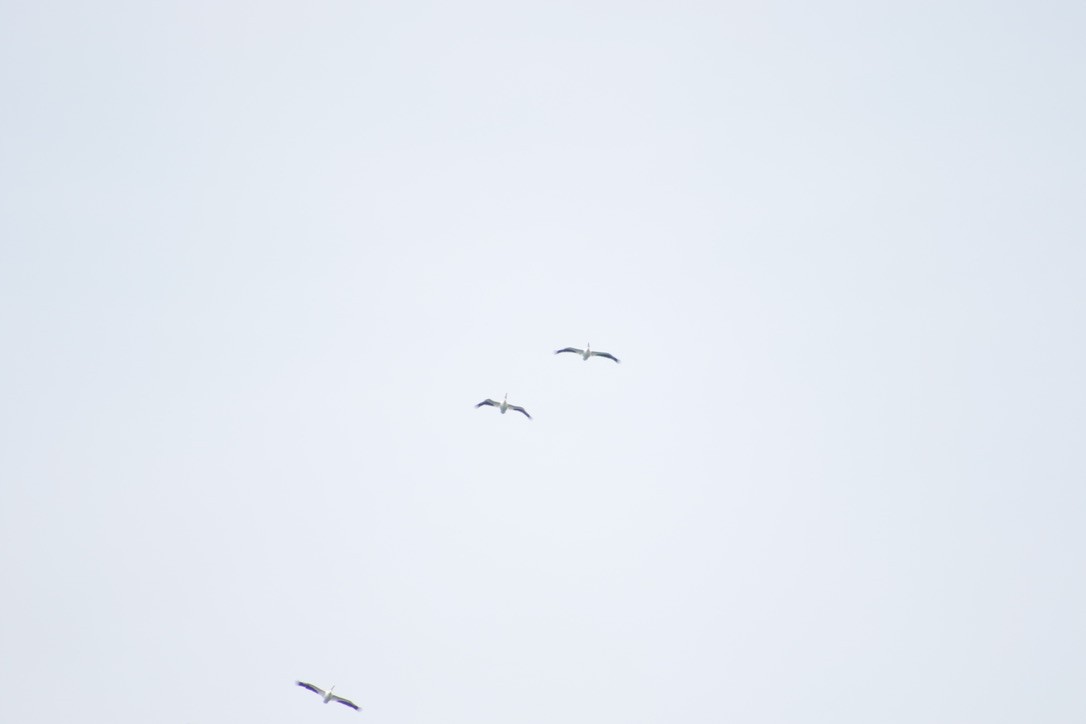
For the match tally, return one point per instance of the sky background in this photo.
(258, 261)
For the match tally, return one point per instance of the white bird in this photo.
(586, 352)
(328, 695)
(503, 405)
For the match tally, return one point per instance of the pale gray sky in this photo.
(259, 260)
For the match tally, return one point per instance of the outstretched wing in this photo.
(346, 702)
(487, 401)
(314, 689)
(608, 355)
(521, 410)
(569, 349)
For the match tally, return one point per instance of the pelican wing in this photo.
(346, 702)
(314, 689)
(488, 401)
(521, 410)
(608, 355)
(569, 349)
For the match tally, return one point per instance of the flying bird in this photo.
(503, 405)
(587, 352)
(328, 695)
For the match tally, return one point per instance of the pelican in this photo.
(328, 695)
(587, 352)
(503, 405)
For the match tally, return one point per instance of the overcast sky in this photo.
(258, 261)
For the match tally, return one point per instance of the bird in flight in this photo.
(503, 405)
(587, 352)
(328, 695)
